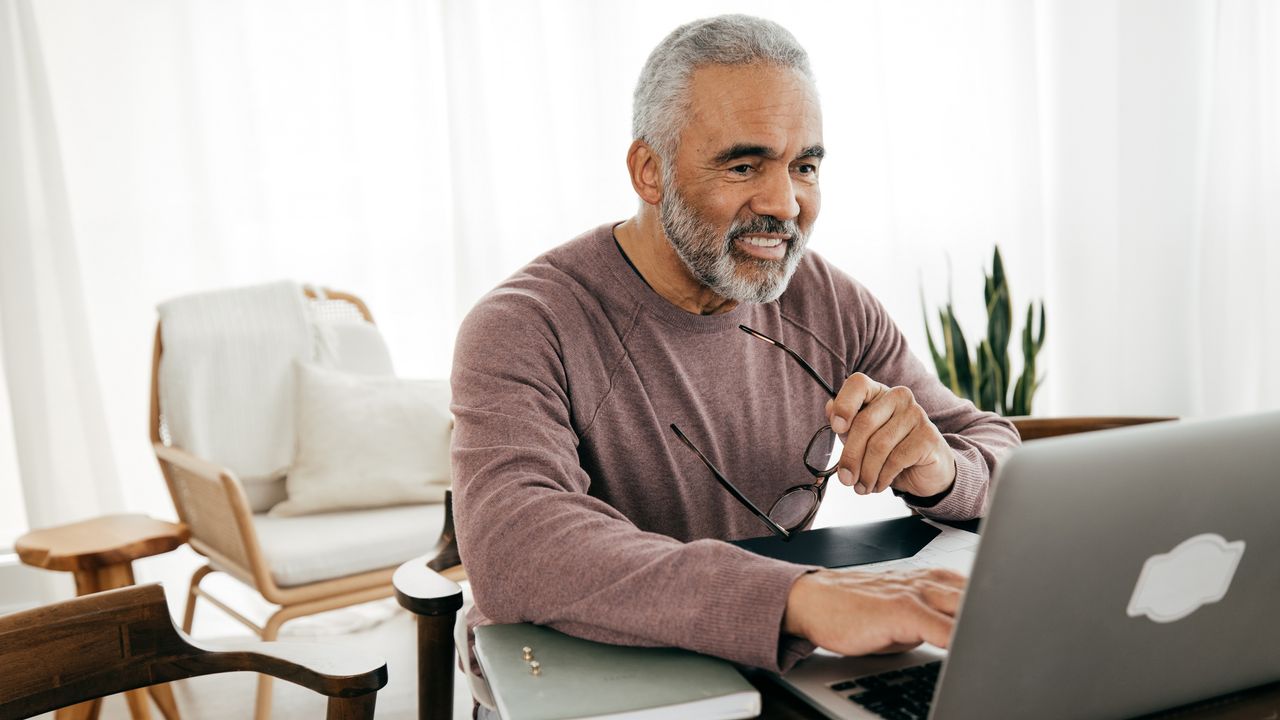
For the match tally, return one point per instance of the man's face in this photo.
(743, 196)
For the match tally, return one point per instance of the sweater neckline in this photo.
(629, 278)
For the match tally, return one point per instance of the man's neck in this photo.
(651, 254)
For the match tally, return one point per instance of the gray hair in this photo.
(660, 106)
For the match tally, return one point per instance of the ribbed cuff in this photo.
(742, 621)
(968, 496)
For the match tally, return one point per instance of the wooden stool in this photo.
(100, 553)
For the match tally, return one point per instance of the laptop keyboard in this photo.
(895, 695)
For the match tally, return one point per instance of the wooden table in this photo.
(100, 554)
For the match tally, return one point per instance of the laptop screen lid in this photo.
(1123, 572)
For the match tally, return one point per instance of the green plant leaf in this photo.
(949, 352)
(1020, 406)
(939, 361)
(997, 269)
(959, 351)
(993, 380)
(1040, 337)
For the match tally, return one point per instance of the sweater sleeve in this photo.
(979, 439)
(538, 548)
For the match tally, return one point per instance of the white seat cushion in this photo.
(301, 550)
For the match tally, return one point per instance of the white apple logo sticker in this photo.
(1175, 584)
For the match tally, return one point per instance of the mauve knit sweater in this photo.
(576, 505)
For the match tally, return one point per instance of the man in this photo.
(577, 505)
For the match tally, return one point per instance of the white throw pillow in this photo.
(366, 441)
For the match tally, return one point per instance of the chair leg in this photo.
(356, 708)
(189, 615)
(270, 633)
(139, 709)
(262, 705)
(162, 695)
(435, 666)
(87, 710)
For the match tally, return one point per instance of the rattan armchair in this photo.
(211, 501)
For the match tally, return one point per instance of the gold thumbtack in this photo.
(528, 652)
(535, 667)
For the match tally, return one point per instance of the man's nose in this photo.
(777, 197)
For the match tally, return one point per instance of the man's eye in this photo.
(807, 169)
(740, 169)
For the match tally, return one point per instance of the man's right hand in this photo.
(854, 612)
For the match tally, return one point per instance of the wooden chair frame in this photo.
(211, 502)
(121, 640)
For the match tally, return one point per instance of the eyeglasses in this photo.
(798, 504)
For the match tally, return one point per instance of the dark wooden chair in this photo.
(118, 640)
(425, 586)
(1034, 428)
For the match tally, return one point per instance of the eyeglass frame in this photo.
(818, 486)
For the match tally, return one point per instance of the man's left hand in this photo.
(888, 440)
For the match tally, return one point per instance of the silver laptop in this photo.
(1119, 573)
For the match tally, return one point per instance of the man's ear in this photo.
(645, 168)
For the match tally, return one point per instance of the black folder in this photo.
(848, 544)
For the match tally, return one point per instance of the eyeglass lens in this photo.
(794, 507)
(818, 456)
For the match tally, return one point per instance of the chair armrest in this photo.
(423, 591)
(212, 504)
(120, 640)
(315, 666)
(435, 599)
(195, 465)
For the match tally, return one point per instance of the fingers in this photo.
(934, 627)
(915, 621)
(938, 588)
(896, 648)
(889, 443)
(909, 452)
(888, 435)
(942, 576)
(858, 613)
(858, 390)
(940, 592)
(881, 418)
(943, 598)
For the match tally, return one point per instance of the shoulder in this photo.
(559, 293)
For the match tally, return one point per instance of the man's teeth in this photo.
(762, 242)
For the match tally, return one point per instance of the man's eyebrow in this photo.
(813, 151)
(742, 150)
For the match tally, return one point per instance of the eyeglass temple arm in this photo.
(807, 367)
(733, 490)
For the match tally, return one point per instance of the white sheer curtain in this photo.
(1123, 155)
(1236, 310)
(55, 404)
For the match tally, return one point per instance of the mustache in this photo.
(763, 224)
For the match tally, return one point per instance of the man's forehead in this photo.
(760, 104)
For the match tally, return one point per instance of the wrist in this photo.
(799, 600)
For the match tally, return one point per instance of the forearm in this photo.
(556, 558)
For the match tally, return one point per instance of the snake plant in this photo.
(985, 377)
